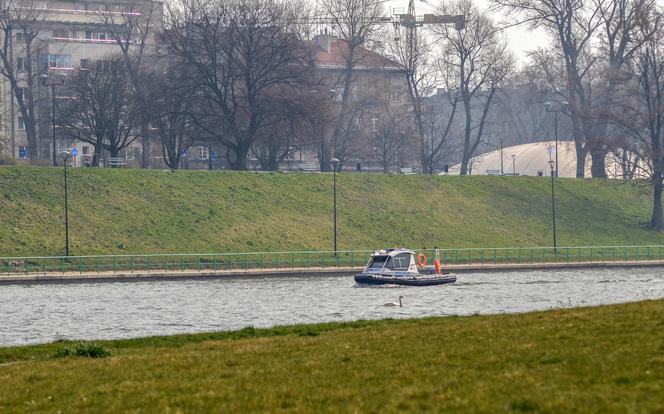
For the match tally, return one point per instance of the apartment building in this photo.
(379, 96)
(49, 40)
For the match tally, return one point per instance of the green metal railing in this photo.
(316, 259)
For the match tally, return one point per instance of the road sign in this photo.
(213, 155)
(74, 152)
(22, 152)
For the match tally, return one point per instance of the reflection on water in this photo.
(42, 312)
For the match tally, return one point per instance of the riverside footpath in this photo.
(311, 263)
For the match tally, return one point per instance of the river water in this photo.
(43, 312)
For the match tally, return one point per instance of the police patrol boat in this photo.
(399, 267)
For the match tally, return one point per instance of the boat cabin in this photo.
(392, 261)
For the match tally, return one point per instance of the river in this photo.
(43, 312)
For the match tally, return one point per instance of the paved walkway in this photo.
(32, 277)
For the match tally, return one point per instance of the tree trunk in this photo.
(598, 167)
(114, 153)
(580, 160)
(240, 162)
(324, 158)
(272, 163)
(466, 139)
(145, 145)
(95, 156)
(33, 148)
(657, 222)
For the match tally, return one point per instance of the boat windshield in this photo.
(377, 262)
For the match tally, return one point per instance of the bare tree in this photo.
(439, 125)
(19, 64)
(415, 55)
(573, 23)
(479, 61)
(174, 98)
(101, 110)
(292, 126)
(132, 29)
(356, 23)
(520, 116)
(624, 30)
(578, 27)
(390, 138)
(641, 112)
(243, 52)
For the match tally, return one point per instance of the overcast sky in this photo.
(520, 39)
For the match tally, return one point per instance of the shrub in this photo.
(83, 349)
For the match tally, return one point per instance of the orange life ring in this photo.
(421, 260)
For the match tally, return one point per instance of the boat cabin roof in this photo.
(392, 252)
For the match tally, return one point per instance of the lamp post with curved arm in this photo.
(52, 83)
(555, 108)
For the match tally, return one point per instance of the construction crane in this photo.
(410, 20)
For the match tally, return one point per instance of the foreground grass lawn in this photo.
(605, 359)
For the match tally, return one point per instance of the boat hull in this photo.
(422, 280)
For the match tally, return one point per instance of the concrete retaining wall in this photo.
(75, 277)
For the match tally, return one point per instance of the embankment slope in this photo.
(116, 211)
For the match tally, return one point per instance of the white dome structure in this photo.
(526, 159)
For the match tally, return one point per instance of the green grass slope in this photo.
(150, 211)
(594, 360)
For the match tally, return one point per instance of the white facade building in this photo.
(69, 35)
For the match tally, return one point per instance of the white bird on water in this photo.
(400, 304)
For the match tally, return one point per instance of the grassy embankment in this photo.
(605, 359)
(149, 211)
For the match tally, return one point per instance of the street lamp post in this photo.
(65, 157)
(553, 205)
(561, 107)
(334, 162)
(514, 165)
(502, 171)
(52, 84)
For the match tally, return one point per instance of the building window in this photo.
(374, 124)
(61, 34)
(59, 61)
(88, 35)
(85, 64)
(20, 37)
(85, 150)
(395, 96)
(20, 64)
(21, 123)
(203, 153)
(101, 36)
